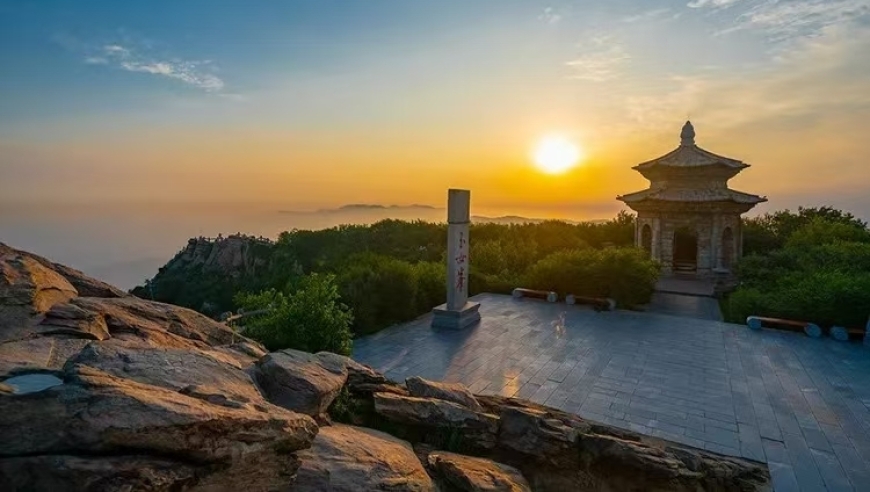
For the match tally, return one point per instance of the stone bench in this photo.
(599, 303)
(812, 330)
(550, 296)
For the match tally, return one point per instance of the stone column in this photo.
(457, 312)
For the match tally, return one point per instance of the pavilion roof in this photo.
(690, 155)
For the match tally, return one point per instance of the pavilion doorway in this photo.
(685, 251)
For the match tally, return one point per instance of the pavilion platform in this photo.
(802, 405)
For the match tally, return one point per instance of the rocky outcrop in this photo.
(455, 392)
(151, 396)
(467, 474)
(96, 414)
(350, 459)
(299, 381)
(206, 273)
(233, 254)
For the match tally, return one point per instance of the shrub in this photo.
(823, 297)
(380, 290)
(431, 279)
(624, 274)
(310, 319)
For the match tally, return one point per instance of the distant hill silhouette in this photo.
(425, 209)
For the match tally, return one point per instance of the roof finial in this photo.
(687, 136)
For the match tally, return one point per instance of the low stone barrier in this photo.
(550, 296)
(812, 330)
(599, 303)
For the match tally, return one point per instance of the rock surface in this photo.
(475, 429)
(192, 373)
(455, 392)
(69, 473)
(351, 459)
(467, 474)
(154, 397)
(299, 381)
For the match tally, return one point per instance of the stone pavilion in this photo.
(689, 219)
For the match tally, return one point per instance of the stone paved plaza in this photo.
(801, 405)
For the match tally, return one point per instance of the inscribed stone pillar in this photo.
(457, 312)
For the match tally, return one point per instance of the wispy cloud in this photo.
(697, 4)
(195, 73)
(784, 20)
(600, 61)
(646, 16)
(550, 16)
(823, 75)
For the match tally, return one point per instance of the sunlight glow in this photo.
(555, 154)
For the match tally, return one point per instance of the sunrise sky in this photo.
(318, 103)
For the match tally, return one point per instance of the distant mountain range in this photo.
(426, 210)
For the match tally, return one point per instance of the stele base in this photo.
(463, 318)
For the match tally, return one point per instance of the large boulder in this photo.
(190, 372)
(26, 282)
(467, 474)
(561, 451)
(476, 430)
(71, 320)
(350, 459)
(85, 286)
(299, 381)
(540, 435)
(455, 392)
(27, 289)
(94, 414)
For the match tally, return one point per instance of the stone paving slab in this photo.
(801, 405)
(685, 305)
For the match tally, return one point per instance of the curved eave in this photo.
(663, 196)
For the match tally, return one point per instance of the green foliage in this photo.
(817, 270)
(624, 274)
(311, 318)
(381, 291)
(819, 231)
(431, 279)
(823, 297)
(771, 231)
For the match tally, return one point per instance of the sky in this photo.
(317, 103)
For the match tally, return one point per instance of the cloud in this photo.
(697, 4)
(646, 16)
(784, 21)
(601, 61)
(199, 74)
(550, 16)
(823, 75)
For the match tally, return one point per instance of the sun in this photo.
(555, 154)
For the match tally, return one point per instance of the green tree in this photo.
(311, 318)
